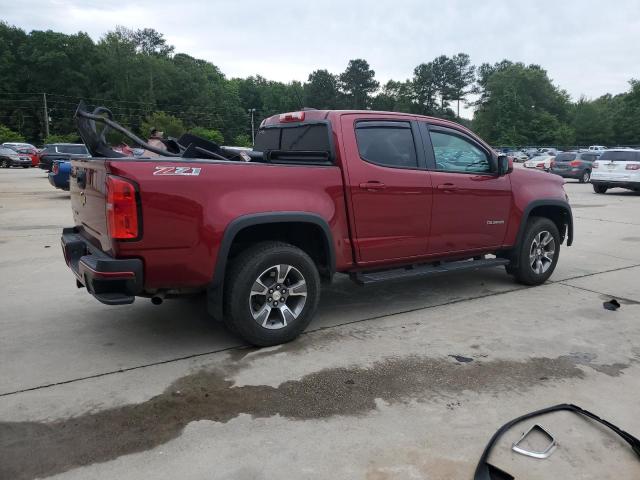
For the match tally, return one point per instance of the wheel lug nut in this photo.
(270, 291)
(275, 304)
(284, 291)
(270, 299)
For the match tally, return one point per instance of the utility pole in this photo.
(46, 116)
(253, 135)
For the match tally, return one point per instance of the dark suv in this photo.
(62, 152)
(576, 165)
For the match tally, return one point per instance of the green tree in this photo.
(520, 106)
(72, 137)
(425, 89)
(208, 134)
(242, 140)
(8, 135)
(463, 78)
(321, 90)
(170, 125)
(358, 83)
(627, 122)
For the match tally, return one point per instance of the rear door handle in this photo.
(373, 186)
(447, 187)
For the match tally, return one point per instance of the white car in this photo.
(618, 167)
(597, 148)
(541, 162)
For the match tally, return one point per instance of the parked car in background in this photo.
(59, 174)
(530, 152)
(519, 156)
(597, 148)
(618, 167)
(10, 158)
(549, 151)
(576, 165)
(24, 149)
(61, 151)
(542, 162)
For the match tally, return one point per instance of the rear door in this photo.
(471, 203)
(389, 188)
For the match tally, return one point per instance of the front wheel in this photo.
(539, 252)
(271, 293)
(599, 188)
(4, 164)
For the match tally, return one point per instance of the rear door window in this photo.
(72, 149)
(565, 157)
(620, 156)
(389, 144)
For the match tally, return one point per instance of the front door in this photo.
(389, 189)
(471, 203)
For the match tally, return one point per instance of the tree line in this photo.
(145, 83)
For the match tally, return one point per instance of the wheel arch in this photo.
(308, 231)
(558, 211)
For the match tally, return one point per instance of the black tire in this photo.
(241, 278)
(600, 188)
(585, 177)
(25, 166)
(4, 164)
(524, 272)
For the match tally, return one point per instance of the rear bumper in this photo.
(614, 184)
(569, 173)
(59, 181)
(112, 281)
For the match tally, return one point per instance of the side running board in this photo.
(415, 271)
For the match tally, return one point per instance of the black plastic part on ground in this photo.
(486, 471)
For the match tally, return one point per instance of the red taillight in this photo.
(56, 168)
(575, 163)
(552, 164)
(540, 165)
(122, 209)
(633, 166)
(292, 117)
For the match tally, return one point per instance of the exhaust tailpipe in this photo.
(158, 298)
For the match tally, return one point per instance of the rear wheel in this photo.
(5, 163)
(599, 188)
(538, 253)
(271, 295)
(586, 176)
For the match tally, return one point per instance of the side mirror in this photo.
(505, 165)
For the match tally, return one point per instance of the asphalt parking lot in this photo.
(406, 380)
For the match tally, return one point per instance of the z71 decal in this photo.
(177, 171)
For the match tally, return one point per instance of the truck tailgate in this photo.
(87, 185)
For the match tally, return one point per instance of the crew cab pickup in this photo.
(379, 196)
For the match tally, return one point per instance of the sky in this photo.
(588, 47)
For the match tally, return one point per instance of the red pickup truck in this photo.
(377, 195)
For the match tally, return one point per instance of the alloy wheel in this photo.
(278, 296)
(586, 176)
(542, 252)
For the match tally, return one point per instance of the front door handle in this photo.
(447, 187)
(372, 186)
